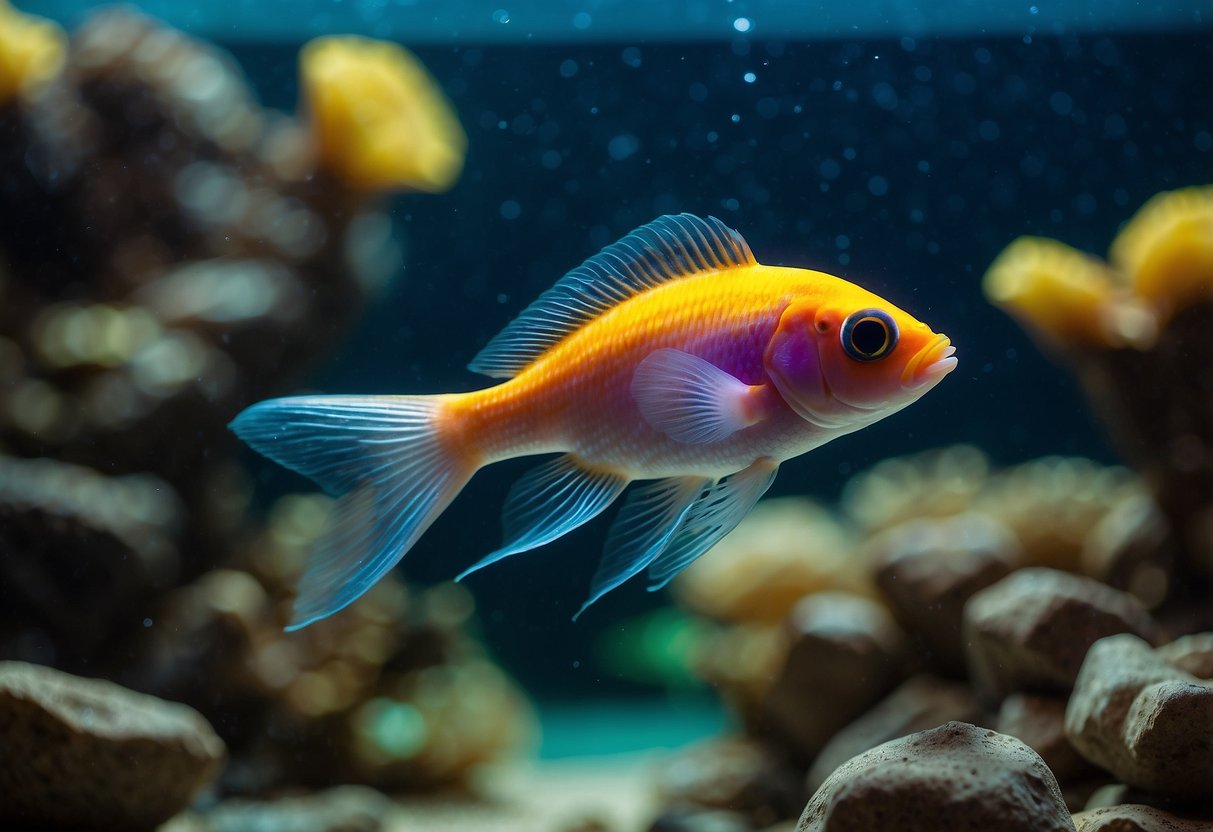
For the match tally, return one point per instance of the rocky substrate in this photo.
(997, 655)
(87, 754)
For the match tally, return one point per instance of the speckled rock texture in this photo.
(1191, 654)
(920, 703)
(1031, 630)
(843, 654)
(1040, 721)
(1137, 818)
(928, 568)
(955, 777)
(86, 754)
(1144, 720)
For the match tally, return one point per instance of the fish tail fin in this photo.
(384, 458)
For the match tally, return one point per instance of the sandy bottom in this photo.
(579, 793)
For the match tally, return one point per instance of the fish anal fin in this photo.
(643, 528)
(713, 516)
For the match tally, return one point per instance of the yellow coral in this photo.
(378, 118)
(1065, 295)
(1166, 250)
(783, 550)
(31, 51)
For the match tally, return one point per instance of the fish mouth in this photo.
(933, 362)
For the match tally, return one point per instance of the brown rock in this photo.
(736, 775)
(1114, 794)
(843, 654)
(957, 776)
(87, 754)
(1148, 723)
(1131, 548)
(785, 549)
(1031, 630)
(929, 568)
(921, 702)
(80, 549)
(1078, 794)
(1191, 654)
(1136, 818)
(1040, 721)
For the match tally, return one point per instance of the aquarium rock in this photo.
(1191, 653)
(1136, 818)
(843, 654)
(937, 483)
(90, 755)
(784, 549)
(79, 552)
(956, 776)
(1031, 630)
(1142, 719)
(182, 250)
(922, 702)
(733, 774)
(1040, 722)
(927, 569)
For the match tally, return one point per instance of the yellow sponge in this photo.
(1166, 250)
(31, 51)
(378, 118)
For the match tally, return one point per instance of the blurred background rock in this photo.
(172, 252)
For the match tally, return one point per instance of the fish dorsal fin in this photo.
(666, 249)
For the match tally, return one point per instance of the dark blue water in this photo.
(904, 165)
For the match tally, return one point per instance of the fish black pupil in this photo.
(869, 336)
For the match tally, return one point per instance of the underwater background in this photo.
(900, 147)
(903, 164)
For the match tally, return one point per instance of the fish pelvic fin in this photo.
(650, 517)
(388, 461)
(714, 515)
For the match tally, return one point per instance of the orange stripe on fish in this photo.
(672, 356)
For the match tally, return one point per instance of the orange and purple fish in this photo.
(672, 356)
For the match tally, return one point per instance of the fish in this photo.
(671, 359)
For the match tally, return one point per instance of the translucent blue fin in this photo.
(713, 516)
(380, 456)
(551, 501)
(690, 399)
(668, 248)
(648, 520)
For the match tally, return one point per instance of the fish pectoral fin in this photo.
(550, 501)
(692, 400)
(644, 527)
(714, 515)
(381, 456)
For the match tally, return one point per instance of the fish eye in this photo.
(868, 335)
